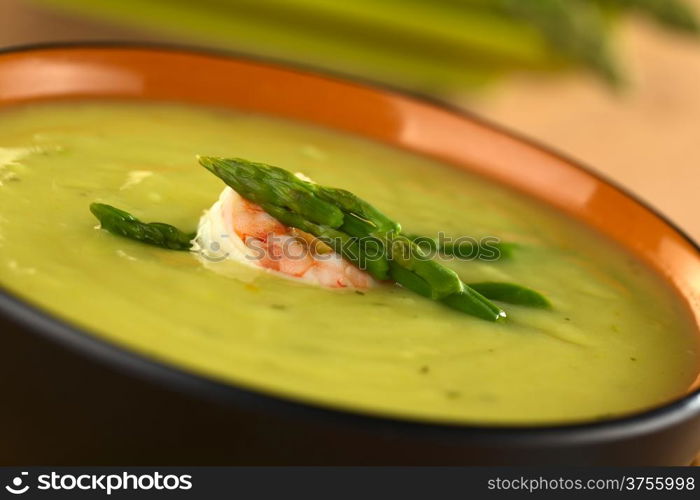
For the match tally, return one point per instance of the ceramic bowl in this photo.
(69, 397)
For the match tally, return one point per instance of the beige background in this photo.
(647, 138)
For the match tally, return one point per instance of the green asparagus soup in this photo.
(615, 340)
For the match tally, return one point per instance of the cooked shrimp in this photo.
(237, 229)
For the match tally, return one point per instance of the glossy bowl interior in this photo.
(142, 73)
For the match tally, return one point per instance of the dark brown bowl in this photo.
(69, 397)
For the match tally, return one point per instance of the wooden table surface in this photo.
(647, 138)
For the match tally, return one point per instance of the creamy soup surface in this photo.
(616, 341)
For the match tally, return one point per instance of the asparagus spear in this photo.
(267, 184)
(511, 293)
(376, 222)
(440, 44)
(472, 302)
(361, 223)
(315, 41)
(441, 280)
(357, 226)
(372, 249)
(577, 29)
(485, 251)
(672, 13)
(464, 32)
(272, 187)
(466, 300)
(122, 223)
(468, 249)
(396, 256)
(262, 183)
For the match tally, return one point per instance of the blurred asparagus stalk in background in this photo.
(577, 28)
(675, 14)
(430, 45)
